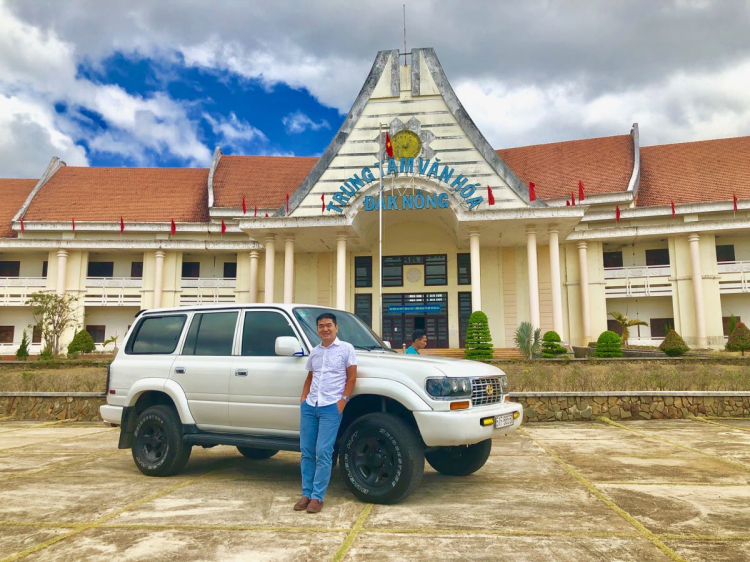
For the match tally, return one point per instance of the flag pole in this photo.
(380, 227)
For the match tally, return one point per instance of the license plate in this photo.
(503, 420)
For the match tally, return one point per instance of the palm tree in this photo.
(626, 323)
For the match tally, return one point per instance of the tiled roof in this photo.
(135, 194)
(12, 195)
(604, 164)
(263, 180)
(692, 172)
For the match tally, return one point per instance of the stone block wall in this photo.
(51, 408)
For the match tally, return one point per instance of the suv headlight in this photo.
(446, 387)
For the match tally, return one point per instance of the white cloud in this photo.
(231, 129)
(297, 122)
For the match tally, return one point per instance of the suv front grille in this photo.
(489, 390)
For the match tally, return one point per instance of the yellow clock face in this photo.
(406, 144)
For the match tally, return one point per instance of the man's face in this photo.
(421, 343)
(327, 330)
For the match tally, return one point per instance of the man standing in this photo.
(418, 341)
(332, 372)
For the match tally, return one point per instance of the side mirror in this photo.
(387, 344)
(288, 346)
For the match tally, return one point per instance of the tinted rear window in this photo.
(157, 334)
(211, 334)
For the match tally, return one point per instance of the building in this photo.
(462, 231)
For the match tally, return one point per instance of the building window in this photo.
(464, 269)
(97, 333)
(612, 259)
(725, 253)
(660, 326)
(156, 335)
(6, 334)
(211, 334)
(363, 271)
(614, 326)
(10, 268)
(136, 270)
(44, 269)
(230, 270)
(363, 308)
(725, 323)
(393, 271)
(101, 269)
(36, 334)
(436, 270)
(464, 312)
(657, 257)
(191, 269)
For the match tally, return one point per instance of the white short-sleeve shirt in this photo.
(328, 366)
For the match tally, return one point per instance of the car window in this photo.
(351, 328)
(211, 333)
(260, 330)
(158, 334)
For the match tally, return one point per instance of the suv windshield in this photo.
(351, 328)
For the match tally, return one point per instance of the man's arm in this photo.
(351, 380)
(306, 387)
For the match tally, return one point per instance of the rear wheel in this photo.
(257, 454)
(158, 448)
(460, 461)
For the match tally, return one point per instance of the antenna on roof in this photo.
(404, 6)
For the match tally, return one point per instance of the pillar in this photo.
(341, 271)
(62, 267)
(534, 316)
(270, 256)
(700, 313)
(289, 268)
(158, 278)
(476, 281)
(253, 296)
(554, 267)
(584, 282)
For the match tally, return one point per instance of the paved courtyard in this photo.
(654, 490)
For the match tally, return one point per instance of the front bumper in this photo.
(111, 414)
(462, 427)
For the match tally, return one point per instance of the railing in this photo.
(15, 291)
(638, 281)
(202, 290)
(113, 291)
(734, 276)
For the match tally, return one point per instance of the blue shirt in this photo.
(411, 351)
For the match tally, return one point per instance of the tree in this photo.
(109, 340)
(82, 343)
(22, 354)
(739, 340)
(53, 314)
(551, 347)
(608, 345)
(673, 345)
(478, 339)
(626, 324)
(528, 340)
(732, 324)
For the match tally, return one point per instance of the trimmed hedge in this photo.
(673, 345)
(609, 344)
(739, 340)
(478, 339)
(551, 347)
(82, 343)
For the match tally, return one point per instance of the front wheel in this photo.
(381, 459)
(158, 448)
(460, 461)
(257, 454)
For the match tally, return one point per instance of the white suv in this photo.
(233, 375)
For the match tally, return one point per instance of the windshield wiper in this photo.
(366, 347)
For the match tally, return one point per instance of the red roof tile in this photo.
(692, 172)
(136, 194)
(12, 195)
(604, 164)
(263, 180)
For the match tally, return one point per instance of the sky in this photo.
(143, 83)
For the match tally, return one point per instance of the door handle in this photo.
(179, 370)
(241, 373)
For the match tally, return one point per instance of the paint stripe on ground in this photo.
(356, 529)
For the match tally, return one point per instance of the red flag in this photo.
(266, 215)
(173, 228)
(617, 213)
(74, 225)
(572, 198)
(122, 225)
(223, 226)
(23, 226)
(532, 191)
(244, 206)
(323, 199)
(674, 214)
(567, 203)
(580, 191)
(255, 214)
(287, 203)
(734, 199)
(388, 145)
(490, 197)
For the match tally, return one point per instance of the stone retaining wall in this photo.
(52, 406)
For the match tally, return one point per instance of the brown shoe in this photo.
(315, 506)
(302, 504)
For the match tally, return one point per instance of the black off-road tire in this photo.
(257, 454)
(460, 461)
(381, 459)
(158, 448)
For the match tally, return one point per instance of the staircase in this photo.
(458, 353)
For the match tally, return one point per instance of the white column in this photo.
(62, 266)
(158, 278)
(700, 313)
(270, 256)
(584, 281)
(534, 315)
(554, 267)
(289, 268)
(476, 281)
(253, 296)
(341, 271)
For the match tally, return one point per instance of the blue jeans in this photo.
(318, 428)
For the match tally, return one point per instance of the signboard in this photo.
(407, 308)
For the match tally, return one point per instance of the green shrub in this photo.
(82, 343)
(609, 344)
(528, 340)
(23, 350)
(739, 340)
(478, 339)
(551, 347)
(673, 345)
(732, 324)
(46, 354)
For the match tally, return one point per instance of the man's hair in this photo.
(326, 315)
(417, 335)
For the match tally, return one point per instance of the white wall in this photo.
(122, 262)
(115, 319)
(31, 262)
(21, 319)
(642, 309)
(212, 265)
(737, 304)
